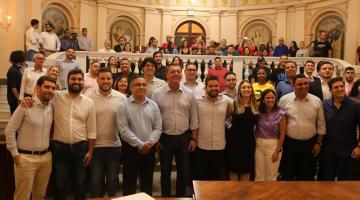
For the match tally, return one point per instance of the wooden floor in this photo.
(231, 190)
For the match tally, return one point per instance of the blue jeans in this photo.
(174, 145)
(68, 162)
(30, 55)
(105, 164)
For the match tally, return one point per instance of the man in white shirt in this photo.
(213, 109)
(153, 83)
(304, 131)
(106, 160)
(30, 150)
(84, 41)
(191, 72)
(107, 48)
(33, 40)
(51, 41)
(31, 75)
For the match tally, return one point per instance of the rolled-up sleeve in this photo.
(194, 119)
(91, 122)
(157, 125)
(320, 121)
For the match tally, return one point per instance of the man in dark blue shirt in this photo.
(14, 74)
(281, 49)
(340, 144)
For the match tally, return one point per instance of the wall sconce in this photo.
(5, 25)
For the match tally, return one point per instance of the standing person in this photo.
(107, 151)
(320, 87)
(293, 48)
(231, 82)
(69, 40)
(90, 78)
(241, 138)
(287, 86)
(14, 77)
(262, 84)
(185, 49)
(309, 70)
(153, 83)
(30, 150)
(215, 108)
(154, 46)
(31, 75)
(357, 61)
(107, 48)
(140, 124)
(180, 124)
(219, 71)
(66, 65)
(303, 51)
(304, 131)
(160, 68)
(191, 80)
(278, 74)
(355, 90)
(125, 69)
(340, 147)
(51, 41)
(349, 79)
(270, 134)
(33, 40)
(281, 49)
(121, 44)
(84, 41)
(322, 47)
(112, 64)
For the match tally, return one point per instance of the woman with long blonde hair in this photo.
(241, 137)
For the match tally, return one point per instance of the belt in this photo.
(74, 145)
(34, 152)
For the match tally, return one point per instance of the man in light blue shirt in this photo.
(177, 104)
(65, 66)
(140, 124)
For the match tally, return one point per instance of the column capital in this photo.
(281, 9)
(215, 12)
(166, 11)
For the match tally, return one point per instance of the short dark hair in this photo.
(49, 24)
(334, 80)
(17, 57)
(217, 58)
(83, 29)
(75, 71)
(122, 59)
(70, 48)
(157, 52)
(34, 22)
(191, 63)
(146, 60)
(231, 45)
(355, 89)
(349, 69)
(310, 61)
(170, 65)
(44, 78)
(229, 73)
(104, 70)
(210, 78)
(321, 63)
(262, 106)
(297, 76)
(137, 76)
(290, 61)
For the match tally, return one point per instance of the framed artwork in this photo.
(122, 28)
(57, 18)
(259, 31)
(334, 28)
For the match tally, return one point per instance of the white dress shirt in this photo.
(154, 84)
(212, 118)
(305, 117)
(33, 39)
(28, 81)
(33, 127)
(75, 118)
(106, 108)
(198, 88)
(51, 41)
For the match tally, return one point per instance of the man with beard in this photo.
(30, 150)
(320, 87)
(106, 157)
(51, 42)
(160, 71)
(230, 89)
(125, 69)
(349, 79)
(278, 74)
(213, 108)
(286, 86)
(177, 104)
(140, 124)
(66, 65)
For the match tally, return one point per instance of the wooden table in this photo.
(244, 190)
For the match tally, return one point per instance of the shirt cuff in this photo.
(14, 152)
(140, 145)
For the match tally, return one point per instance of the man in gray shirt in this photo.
(66, 65)
(180, 123)
(84, 41)
(139, 121)
(30, 150)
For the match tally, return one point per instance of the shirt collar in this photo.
(167, 88)
(39, 103)
(132, 100)
(97, 92)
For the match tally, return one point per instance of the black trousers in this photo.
(134, 165)
(298, 159)
(208, 164)
(332, 165)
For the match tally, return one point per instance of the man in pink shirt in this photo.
(219, 71)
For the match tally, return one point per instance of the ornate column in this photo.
(102, 29)
(352, 38)
(166, 25)
(281, 23)
(215, 25)
(228, 26)
(299, 29)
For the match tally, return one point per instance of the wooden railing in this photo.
(238, 64)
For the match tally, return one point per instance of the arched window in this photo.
(57, 18)
(189, 30)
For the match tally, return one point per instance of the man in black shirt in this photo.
(322, 48)
(14, 74)
(160, 71)
(278, 74)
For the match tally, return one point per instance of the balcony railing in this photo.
(238, 64)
